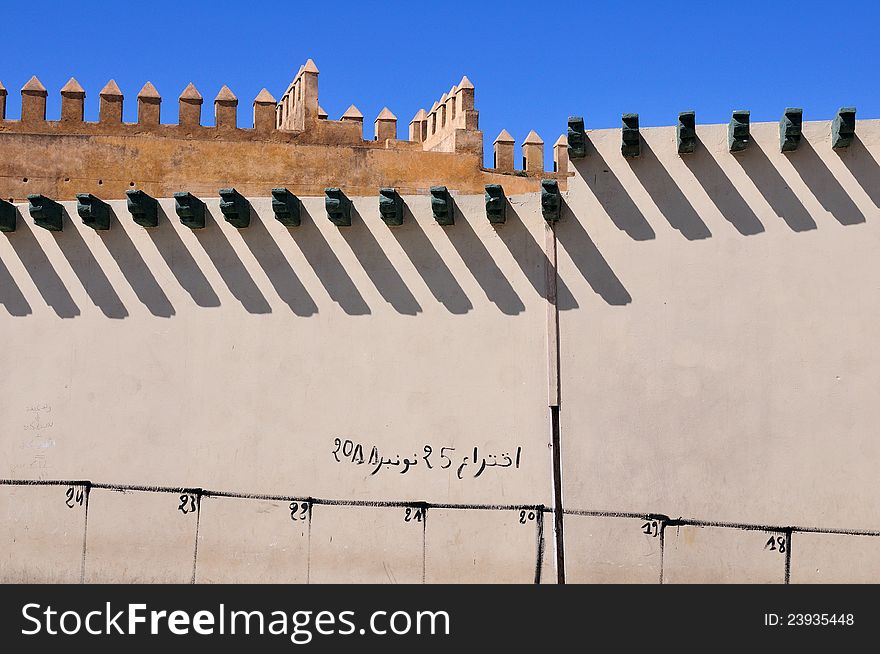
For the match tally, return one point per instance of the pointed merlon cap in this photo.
(111, 90)
(263, 97)
(533, 139)
(465, 83)
(73, 89)
(149, 92)
(34, 87)
(385, 114)
(2, 89)
(433, 108)
(562, 140)
(443, 98)
(420, 116)
(504, 137)
(310, 67)
(322, 114)
(191, 94)
(451, 92)
(352, 113)
(226, 96)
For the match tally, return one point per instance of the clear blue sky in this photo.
(533, 63)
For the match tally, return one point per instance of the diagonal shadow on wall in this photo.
(236, 277)
(11, 296)
(377, 266)
(613, 197)
(589, 261)
(482, 266)
(532, 259)
(863, 166)
(277, 268)
(327, 266)
(666, 194)
(181, 263)
(824, 185)
(40, 269)
(721, 191)
(774, 188)
(88, 271)
(430, 265)
(135, 269)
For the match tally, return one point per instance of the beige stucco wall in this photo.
(716, 315)
(711, 373)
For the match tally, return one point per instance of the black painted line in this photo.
(616, 514)
(424, 544)
(558, 508)
(82, 570)
(693, 522)
(309, 543)
(196, 548)
(662, 548)
(44, 482)
(788, 556)
(539, 548)
(147, 489)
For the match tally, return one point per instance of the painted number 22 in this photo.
(299, 510)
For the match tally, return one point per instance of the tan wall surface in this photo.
(721, 365)
(716, 315)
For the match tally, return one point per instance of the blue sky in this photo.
(532, 63)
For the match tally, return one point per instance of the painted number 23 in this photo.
(187, 503)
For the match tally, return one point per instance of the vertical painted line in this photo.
(82, 569)
(539, 545)
(787, 556)
(196, 548)
(558, 516)
(424, 543)
(662, 547)
(309, 543)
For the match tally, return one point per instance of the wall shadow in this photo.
(327, 266)
(40, 269)
(613, 197)
(377, 266)
(863, 167)
(668, 197)
(532, 259)
(135, 270)
(479, 261)
(721, 191)
(824, 185)
(11, 296)
(87, 270)
(277, 268)
(589, 261)
(236, 277)
(430, 265)
(774, 188)
(181, 263)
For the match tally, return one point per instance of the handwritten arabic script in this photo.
(473, 462)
